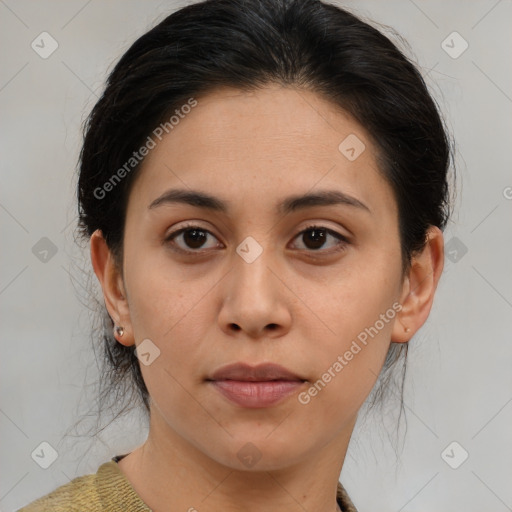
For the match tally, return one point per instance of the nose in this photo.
(255, 300)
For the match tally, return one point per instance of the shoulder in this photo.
(106, 490)
(79, 494)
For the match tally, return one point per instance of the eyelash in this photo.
(341, 246)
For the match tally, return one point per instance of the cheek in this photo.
(175, 313)
(358, 309)
(347, 367)
(162, 300)
(357, 298)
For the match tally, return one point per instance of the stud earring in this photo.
(119, 331)
(407, 329)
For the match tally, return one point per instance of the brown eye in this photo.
(191, 239)
(314, 238)
(194, 238)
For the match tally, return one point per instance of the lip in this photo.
(259, 373)
(258, 386)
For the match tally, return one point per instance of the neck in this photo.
(168, 469)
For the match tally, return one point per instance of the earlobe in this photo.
(111, 282)
(419, 287)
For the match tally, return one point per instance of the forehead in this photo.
(266, 143)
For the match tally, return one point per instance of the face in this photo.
(263, 277)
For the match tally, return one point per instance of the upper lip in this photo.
(258, 373)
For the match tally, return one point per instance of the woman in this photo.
(264, 186)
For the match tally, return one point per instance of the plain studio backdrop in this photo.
(456, 454)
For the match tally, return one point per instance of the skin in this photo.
(293, 305)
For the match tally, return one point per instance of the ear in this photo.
(419, 287)
(111, 280)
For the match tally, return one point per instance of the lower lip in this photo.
(256, 394)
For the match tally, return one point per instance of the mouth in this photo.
(255, 386)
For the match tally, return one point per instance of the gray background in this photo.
(459, 384)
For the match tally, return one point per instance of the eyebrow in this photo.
(290, 204)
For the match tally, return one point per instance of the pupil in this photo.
(317, 236)
(194, 238)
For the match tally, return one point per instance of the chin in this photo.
(258, 453)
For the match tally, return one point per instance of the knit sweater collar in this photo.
(110, 472)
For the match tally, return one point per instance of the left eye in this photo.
(314, 238)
